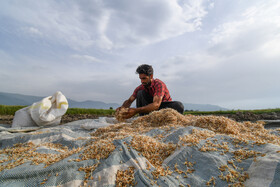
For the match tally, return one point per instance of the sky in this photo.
(219, 52)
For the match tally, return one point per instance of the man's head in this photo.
(145, 69)
(145, 74)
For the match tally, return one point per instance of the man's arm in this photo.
(145, 109)
(127, 103)
(150, 107)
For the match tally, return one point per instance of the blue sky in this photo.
(219, 52)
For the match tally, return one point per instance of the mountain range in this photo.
(26, 100)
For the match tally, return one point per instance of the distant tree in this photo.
(111, 108)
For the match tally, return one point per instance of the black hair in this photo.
(145, 69)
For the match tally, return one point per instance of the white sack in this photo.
(23, 118)
(49, 110)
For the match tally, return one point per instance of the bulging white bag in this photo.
(49, 110)
(23, 118)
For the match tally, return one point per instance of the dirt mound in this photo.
(6, 119)
(249, 116)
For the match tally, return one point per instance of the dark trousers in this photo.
(143, 99)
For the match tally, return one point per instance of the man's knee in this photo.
(176, 105)
(180, 107)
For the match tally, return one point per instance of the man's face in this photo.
(145, 79)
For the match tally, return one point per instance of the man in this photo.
(151, 95)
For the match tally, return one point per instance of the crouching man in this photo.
(151, 95)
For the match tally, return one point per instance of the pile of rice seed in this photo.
(119, 115)
(153, 148)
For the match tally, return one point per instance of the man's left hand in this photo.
(131, 112)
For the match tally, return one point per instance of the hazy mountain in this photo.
(19, 99)
(203, 107)
(92, 104)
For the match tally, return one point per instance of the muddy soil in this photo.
(248, 116)
(8, 119)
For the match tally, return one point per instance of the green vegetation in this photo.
(261, 111)
(100, 112)
(10, 110)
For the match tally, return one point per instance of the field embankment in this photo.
(244, 115)
(73, 114)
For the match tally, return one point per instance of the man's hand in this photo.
(131, 112)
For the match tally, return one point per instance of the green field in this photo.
(10, 110)
(260, 111)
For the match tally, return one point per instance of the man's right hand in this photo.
(118, 109)
(130, 113)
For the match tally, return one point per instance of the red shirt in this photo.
(157, 88)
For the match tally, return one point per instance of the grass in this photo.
(10, 110)
(104, 112)
(259, 111)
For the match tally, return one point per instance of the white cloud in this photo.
(254, 27)
(108, 24)
(145, 22)
(271, 49)
(194, 11)
(89, 48)
(59, 22)
(240, 67)
(178, 67)
(86, 58)
(33, 31)
(211, 5)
